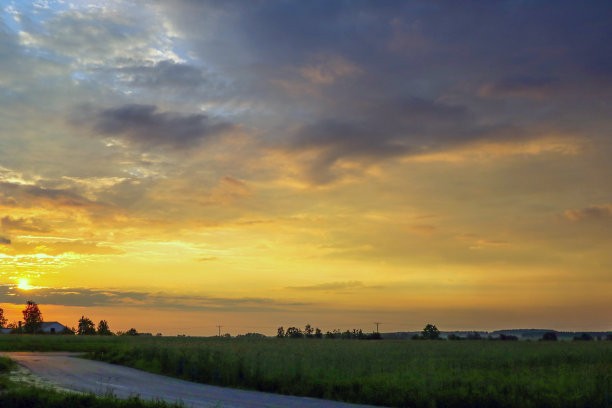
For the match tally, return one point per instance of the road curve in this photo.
(68, 371)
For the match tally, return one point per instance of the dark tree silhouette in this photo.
(103, 329)
(318, 333)
(294, 333)
(86, 327)
(549, 336)
(308, 330)
(280, 332)
(430, 332)
(131, 332)
(2, 319)
(32, 317)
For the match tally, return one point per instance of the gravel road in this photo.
(68, 371)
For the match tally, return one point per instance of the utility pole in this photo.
(376, 323)
(219, 330)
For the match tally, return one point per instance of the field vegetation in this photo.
(397, 373)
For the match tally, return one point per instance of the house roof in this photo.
(48, 324)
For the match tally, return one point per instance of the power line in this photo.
(219, 330)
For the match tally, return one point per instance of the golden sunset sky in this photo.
(176, 165)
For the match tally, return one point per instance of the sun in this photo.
(23, 284)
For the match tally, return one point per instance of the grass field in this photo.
(393, 373)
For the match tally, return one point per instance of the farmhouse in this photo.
(51, 327)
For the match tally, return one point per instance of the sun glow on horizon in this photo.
(23, 284)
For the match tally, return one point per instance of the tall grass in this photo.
(389, 372)
(32, 397)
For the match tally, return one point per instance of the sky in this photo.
(177, 165)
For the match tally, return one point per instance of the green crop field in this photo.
(397, 373)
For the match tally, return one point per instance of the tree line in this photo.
(32, 321)
(316, 333)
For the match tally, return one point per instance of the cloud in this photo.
(207, 259)
(329, 286)
(228, 190)
(424, 229)
(4, 241)
(146, 126)
(598, 212)
(166, 75)
(326, 70)
(22, 224)
(386, 129)
(25, 195)
(524, 87)
(99, 297)
(97, 36)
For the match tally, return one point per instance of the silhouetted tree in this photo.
(294, 333)
(430, 332)
(549, 336)
(32, 317)
(329, 335)
(86, 327)
(69, 331)
(2, 319)
(131, 332)
(251, 335)
(308, 330)
(280, 332)
(103, 329)
(318, 333)
(609, 337)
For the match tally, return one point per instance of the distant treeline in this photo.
(431, 332)
(316, 333)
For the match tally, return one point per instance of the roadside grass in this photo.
(396, 373)
(33, 397)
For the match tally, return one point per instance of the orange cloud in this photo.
(592, 212)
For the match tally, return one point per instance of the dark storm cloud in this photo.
(389, 128)
(96, 297)
(145, 125)
(432, 75)
(493, 38)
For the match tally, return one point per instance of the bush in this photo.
(583, 337)
(454, 337)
